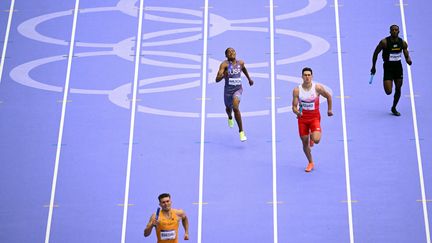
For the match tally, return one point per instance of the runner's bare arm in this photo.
(151, 223)
(185, 223)
(244, 70)
(406, 53)
(295, 102)
(322, 91)
(222, 71)
(378, 49)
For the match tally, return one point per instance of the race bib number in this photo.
(168, 234)
(234, 81)
(394, 57)
(308, 106)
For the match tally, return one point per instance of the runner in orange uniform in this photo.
(167, 221)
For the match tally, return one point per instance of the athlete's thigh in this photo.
(303, 127)
(228, 100)
(315, 128)
(388, 86)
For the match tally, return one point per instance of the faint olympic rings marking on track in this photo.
(28, 27)
(119, 96)
(124, 49)
(21, 75)
(129, 7)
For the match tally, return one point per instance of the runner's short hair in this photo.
(307, 69)
(226, 51)
(393, 25)
(163, 195)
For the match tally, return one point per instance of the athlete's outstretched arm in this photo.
(244, 70)
(320, 89)
(406, 53)
(222, 71)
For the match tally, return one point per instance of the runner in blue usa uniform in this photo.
(392, 47)
(230, 70)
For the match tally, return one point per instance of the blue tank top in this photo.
(233, 80)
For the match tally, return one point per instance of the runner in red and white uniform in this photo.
(306, 106)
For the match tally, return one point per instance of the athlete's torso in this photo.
(167, 229)
(309, 101)
(393, 51)
(233, 80)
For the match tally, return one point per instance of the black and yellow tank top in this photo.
(393, 51)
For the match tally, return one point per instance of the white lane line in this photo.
(203, 116)
(273, 122)
(62, 119)
(132, 123)
(6, 39)
(345, 141)
(414, 116)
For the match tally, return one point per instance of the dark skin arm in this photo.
(222, 71)
(244, 70)
(406, 53)
(381, 45)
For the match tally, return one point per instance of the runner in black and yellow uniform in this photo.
(392, 47)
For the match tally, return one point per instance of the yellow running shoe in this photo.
(242, 136)
(230, 123)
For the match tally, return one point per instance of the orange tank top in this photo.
(167, 228)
